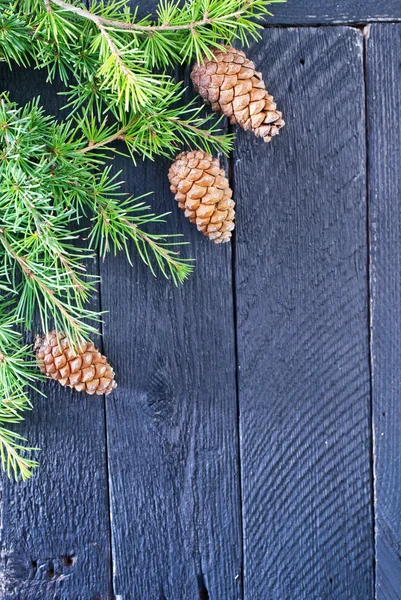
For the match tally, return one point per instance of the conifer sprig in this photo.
(121, 97)
(17, 373)
(149, 133)
(107, 56)
(179, 33)
(47, 183)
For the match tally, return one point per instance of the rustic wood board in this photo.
(301, 288)
(384, 109)
(170, 445)
(172, 422)
(55, 530)
(315, 12)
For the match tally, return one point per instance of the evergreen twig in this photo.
(119, 89)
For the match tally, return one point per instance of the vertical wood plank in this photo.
(55, 530)
(314, 12)
(302, 301)
(384, 110)
(172, 423)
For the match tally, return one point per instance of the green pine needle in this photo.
(17, 373)
(54, 178)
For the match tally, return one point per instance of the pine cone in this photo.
(84, 369)
(231, 84)
(202, 190)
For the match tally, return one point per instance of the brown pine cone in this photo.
(202, 190)
(231, 84)
(83, 369)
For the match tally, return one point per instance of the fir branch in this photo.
(53, 175)
(12, 455)
(179, 33)
(44, 289)
(111, 55)
(32, 222)
(245, 7)
(157, 132)
(67, 36)
(15, 39)
(17, 372)
(122, 72)
(191, 130)
(115, 222)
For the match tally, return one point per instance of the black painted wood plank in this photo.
(315, 12)
(172, 422)
(55, 530)
(302, 301)
(384, 109)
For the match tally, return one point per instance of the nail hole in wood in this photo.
(331, 580)
(302, 61)
(34, 564)
(50, 571)
(69, 560)
(384, 414)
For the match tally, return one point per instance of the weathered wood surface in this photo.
(315, 12)
(171, 446)
(302, 301)
(384, 109)
(55, 532)
(172, 423)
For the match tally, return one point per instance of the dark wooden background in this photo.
(252, 448)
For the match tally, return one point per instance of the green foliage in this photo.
(47, 183)
(108, 57)
(117, 70)
(17, 372)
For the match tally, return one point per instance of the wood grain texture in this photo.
(384, 109)
(172, 423)
(55, 540)
(315, 12)
(302, 302)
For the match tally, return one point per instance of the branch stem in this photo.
(99, 21)
(113, 49)
(120, 134)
